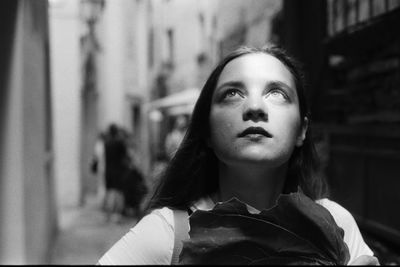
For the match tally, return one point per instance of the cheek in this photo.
(289, 125)
(221, 127)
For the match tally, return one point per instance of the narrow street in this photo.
(85, 235)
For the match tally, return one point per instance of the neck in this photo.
(257, 186)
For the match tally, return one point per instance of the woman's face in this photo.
(255, 115)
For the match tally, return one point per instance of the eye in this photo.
(231, 93)
(278, 94)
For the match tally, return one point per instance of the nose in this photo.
(255, 110)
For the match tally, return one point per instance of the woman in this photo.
(249, 138)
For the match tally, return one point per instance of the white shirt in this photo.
(151, 240)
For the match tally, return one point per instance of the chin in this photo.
(252, 155)
(250, 159)
(263, 157)
(256, 159)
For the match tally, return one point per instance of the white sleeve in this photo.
(352, 234)
(150, 241)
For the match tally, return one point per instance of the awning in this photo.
(178, 103)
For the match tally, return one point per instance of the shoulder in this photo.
(150, 241)
(352, 234)
(341, 215)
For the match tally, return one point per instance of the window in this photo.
(343, 14)
(151, 48)
(170, 40)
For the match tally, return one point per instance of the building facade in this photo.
(181, 36)
(350, 50)
(246, 23)
(66, 79)
(27, 206)
(112, 80)
(362, 110)
(123, 79)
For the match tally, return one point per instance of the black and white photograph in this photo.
(199, 132)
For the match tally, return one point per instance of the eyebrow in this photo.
(241, 84)
(230, 83)
(282, 84)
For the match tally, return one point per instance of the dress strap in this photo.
(181, 232)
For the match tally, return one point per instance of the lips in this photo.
(255, 131)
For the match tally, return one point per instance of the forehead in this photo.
(257, 66)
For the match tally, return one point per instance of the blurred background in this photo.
(69, 69)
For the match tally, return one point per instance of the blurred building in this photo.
(66, 79)
(350, 50)
(182, 48)
(100, 65)
(245, 23)
(122, 71)
(27, 205)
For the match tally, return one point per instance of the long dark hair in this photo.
(193, 172)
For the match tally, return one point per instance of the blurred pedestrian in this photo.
(134, 191)
(134, 183)
(175, 136)
(158, 167)
(97, 166)
(116, 158)
(243, 180)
